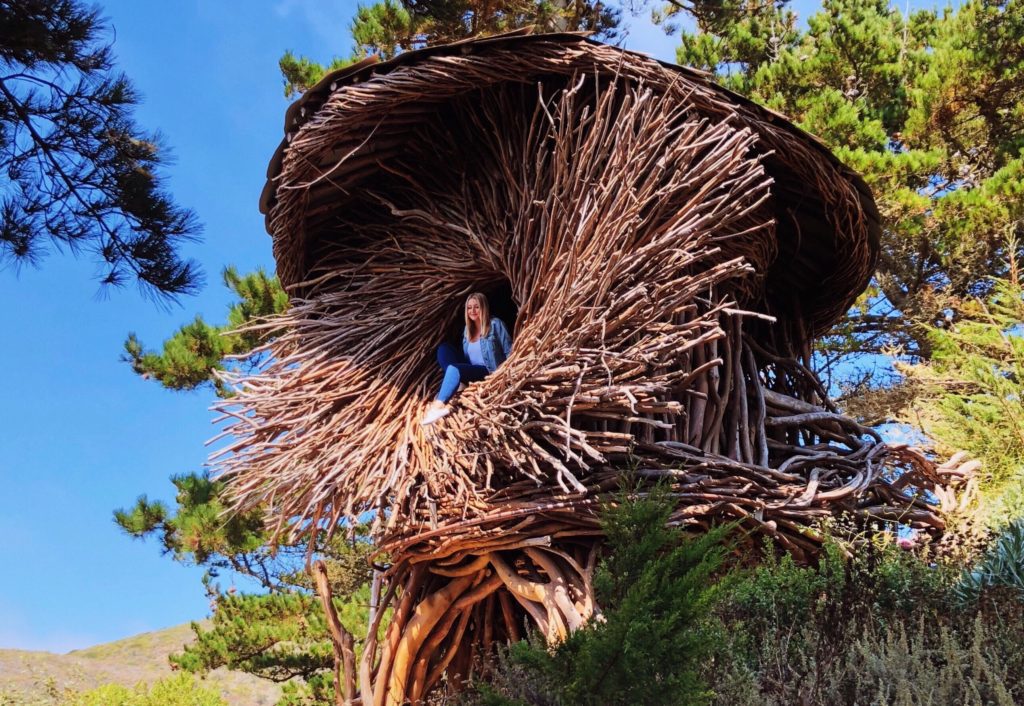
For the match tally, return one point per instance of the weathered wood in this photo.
(672, 250)
(341, 640)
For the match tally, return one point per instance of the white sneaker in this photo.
(433, 414)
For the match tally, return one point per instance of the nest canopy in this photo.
(361, 122)
(667, 251)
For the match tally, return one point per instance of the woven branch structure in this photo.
(670, 250)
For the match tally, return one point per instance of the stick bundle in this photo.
(639, 227)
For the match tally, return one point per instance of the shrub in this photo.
(890, 667)
(657, 589)
(870, 625)
(178, 690)
(880, 627)
(1001, 565)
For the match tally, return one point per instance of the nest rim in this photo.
(830, 280)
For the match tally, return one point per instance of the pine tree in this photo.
(970, 395)
(79, 174)
(281, 637)
(279, 634)
(390, 27)
(199, 532)
(192, 356)
(926, 106)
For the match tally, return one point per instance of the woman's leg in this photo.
(450, 384)
(472, 373)
(448, 354)
(454, 374)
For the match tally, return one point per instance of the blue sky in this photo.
(81, 435)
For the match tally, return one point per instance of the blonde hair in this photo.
(485, 316)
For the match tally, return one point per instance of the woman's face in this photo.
(473, 311)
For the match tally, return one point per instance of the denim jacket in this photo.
(494, 346)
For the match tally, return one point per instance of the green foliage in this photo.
(656, 587)
(927, 106)
(384, 28)
(881, 626)
(275, 636)
(1001, 565)
(193, 355)
(280, 635)
(879, 579)
(390, 27)
(178, 690)
(78, 172)
(971, 395)
(971, 96)
(318, 691)
(300, 74)
(200, 530)
(907, 665)
(731, 32)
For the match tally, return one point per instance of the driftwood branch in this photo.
(341, 640)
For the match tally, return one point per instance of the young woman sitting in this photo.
(485, 346)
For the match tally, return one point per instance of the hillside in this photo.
(38, 678)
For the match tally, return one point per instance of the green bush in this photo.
(657, 589)
(927, 666)
(874, 624)
(178, 690)
(1001, 565)
(883, 626)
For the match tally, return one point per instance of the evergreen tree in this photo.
(926, 106)
(391, 27)
(78, 172)
(199, 532)
(191, 357)
(282, 637)
(279, 634)
(970, 395)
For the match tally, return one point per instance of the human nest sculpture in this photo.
(669, 249)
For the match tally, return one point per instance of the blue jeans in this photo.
(456, 370)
